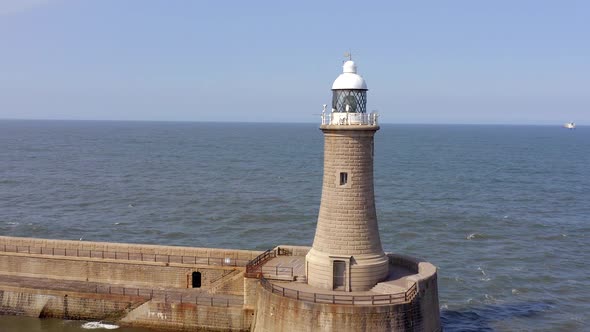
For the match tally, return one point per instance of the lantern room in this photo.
(349, 91)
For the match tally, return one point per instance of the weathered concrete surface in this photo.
(276, 313)
(189, 317)
(125, 310)
(64, 304)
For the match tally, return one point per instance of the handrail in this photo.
(396, 298)
(168, 297)
(123, 255)
(223, 275)
(254, 267)
(411, 293)
(284, 252)
(277, 271)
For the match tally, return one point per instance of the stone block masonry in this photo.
(347, 233)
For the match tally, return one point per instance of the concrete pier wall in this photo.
(275, 313)
(61, 263)
(125, 310)
(47, 259)
(189, 317)
(65, 305)
(144, 275)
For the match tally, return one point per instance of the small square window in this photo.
(343, 178)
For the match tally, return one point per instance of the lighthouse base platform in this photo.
(407, 300)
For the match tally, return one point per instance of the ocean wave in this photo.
(453, 278)
(552, 237)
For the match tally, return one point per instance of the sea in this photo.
(502, 211)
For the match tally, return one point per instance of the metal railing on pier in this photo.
(128, 256)
(255, 269)
(396, 298)
(277, 271)
(169, 296)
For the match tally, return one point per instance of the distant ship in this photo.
(569, 125)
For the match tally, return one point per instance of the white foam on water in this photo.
(484, 277)
(489, 299)
(99, 325)
(481, 270)
(474, 236)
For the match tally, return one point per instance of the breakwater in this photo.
(179, 288)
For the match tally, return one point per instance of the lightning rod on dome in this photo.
(348, 55)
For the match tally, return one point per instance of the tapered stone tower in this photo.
(347, 253)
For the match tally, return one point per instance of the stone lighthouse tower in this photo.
(347, 253)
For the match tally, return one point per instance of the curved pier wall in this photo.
(277, 313)
(426, 278)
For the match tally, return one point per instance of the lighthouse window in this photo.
(343, 178)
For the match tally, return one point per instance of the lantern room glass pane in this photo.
(353, 101)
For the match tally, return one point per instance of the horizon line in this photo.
(287, 122)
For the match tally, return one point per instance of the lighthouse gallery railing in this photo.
(350, 119)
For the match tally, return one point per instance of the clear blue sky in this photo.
(522, 62)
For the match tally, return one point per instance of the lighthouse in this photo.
(347, 254)
(344, 282)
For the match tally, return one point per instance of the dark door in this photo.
(196, 280)
(339, 275)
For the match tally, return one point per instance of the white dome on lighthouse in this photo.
(349, 79)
